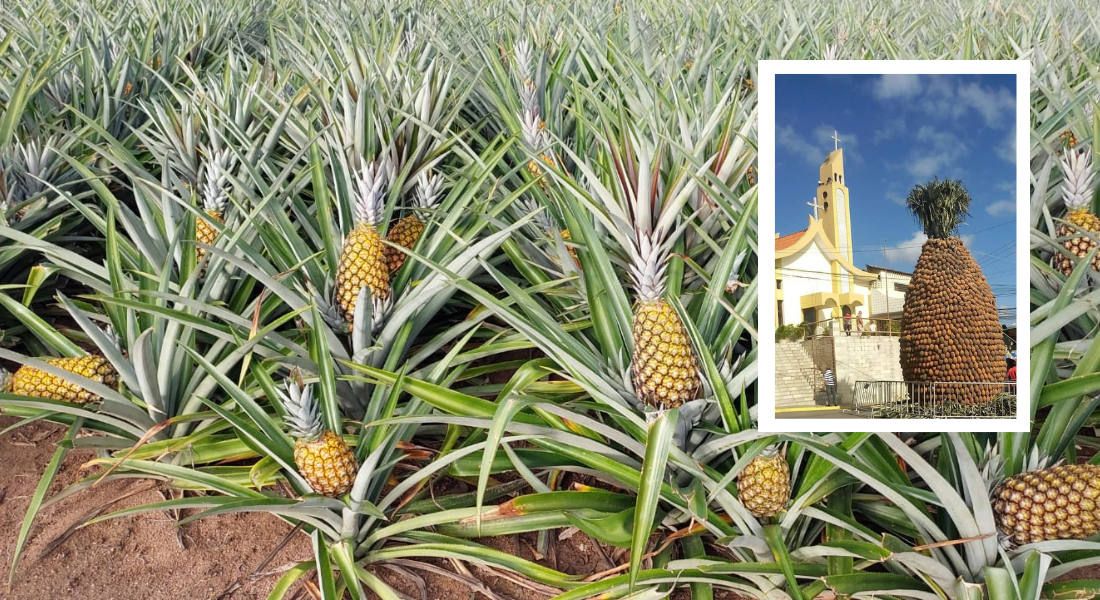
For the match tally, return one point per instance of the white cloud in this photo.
(990, 103)
(906, 253)
(944, 148)
(813, 152)
(797, 145)
(1001, 206)
(895, 197)
(891, 129)
(897, 86)
(1007, 148)
(1007, 186)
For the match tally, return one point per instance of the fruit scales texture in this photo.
(764, 485)
(1077, 190)
(1061, 502)
(30, 381)
(363, 259)
(324, 459)
(328, 464)
(950, 327)
(664, 364)
(407, 231)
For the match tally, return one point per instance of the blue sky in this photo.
(898, 131)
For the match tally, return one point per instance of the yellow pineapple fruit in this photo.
(1077, 193)
(665, 371)
(324, 459)
(363, 258)
(214, 199)
(31, 381)
(535, 170)
(407, 231)
(764, 485)
(1061, 502)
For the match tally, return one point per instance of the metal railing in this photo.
(825, 328)
(934, 400)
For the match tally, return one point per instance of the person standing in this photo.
(1011, 375)
(848, 324)
(830, 388)
(859, 323)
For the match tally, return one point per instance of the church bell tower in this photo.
(832, 196)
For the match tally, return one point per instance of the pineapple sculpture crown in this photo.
(371, 182)
(1077, 176)
(939, 206)
(302, 418)
(216, 181)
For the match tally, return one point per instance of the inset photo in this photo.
(890, 254)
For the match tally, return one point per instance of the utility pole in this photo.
(886, 287)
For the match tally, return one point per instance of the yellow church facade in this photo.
(815, 278)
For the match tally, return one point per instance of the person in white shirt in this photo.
(830, 388)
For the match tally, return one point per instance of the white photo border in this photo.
(766, 72)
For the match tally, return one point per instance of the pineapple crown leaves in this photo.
(371, 182)
(534, 134)
(429, 188)
(329, 312)
(302, 418)
(1077, 175)
(939, 206)
(543, 220)
(5, 380)
(216, 181)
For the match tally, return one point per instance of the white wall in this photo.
(808, 272)
(896, 298)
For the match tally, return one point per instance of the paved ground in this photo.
(820, 414)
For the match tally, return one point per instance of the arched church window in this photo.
(826, 207)
(825, 194)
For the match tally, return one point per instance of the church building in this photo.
(815, 278)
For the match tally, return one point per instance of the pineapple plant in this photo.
(1077, 175)
(214, 199)
(764, 485)
(363, 258)
(664, 368)
(407, 231)
(323, 458)
(31, 381)
(950, 328)
(1061, 502)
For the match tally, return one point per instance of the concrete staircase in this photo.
(795, 376)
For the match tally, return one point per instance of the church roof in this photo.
(874, 269)
(782, 243)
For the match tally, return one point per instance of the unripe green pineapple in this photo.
(1077, 193)
(323, 458)
(363, 258)
(1060, 502)
(407, 231)
(764, 485)
(30, 381)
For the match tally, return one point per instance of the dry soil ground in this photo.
(218, 558)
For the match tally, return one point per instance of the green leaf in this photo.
(657, 447)
(614, 529)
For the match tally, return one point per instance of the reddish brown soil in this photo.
(143, 556)
(217, 558)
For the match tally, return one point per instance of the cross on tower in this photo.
(814, 204)
(836, 141)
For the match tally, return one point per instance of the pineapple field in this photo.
(385, 299)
